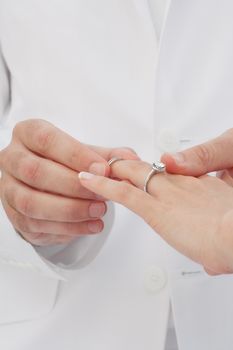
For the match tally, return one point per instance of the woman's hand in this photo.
(194, 215)
(213, 155)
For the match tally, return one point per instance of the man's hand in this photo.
(40, 189)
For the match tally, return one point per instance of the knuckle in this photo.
(21, 223)
(44, 138)
(24, 203)
(187, 182)
(30, 170)
(17, 128)
(129, 153)
(129, 149)
(139, 166)
(36, 225)
(28, 125)
(9, 194)
(73, 213)
(11, 214)
(205, 154)
(74, 187)
(124, 192)
(76, 157)
(40, 238)
(101, 182)
(5, 158)
(14, 159)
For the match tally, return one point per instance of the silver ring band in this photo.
(157, 168)
(113, 160)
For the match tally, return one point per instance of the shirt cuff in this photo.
(56, 262)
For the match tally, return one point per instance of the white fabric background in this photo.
(158, 10)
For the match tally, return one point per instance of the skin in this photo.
(192, 212)
(40, 189)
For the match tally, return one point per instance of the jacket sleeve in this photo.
(56, 261)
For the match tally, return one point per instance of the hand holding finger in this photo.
(123, 193)
(38, 154)
(44, 139)
(43, 174)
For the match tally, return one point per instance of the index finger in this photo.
(52, 143)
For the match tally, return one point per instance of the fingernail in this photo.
(95, 227)
(97, 210)
(85, 176)
(178, 157)
(97, 168)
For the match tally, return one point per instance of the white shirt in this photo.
(44, 104)
(87, 67)
(158, 10)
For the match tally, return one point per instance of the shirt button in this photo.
(168, 141)
(155, 279)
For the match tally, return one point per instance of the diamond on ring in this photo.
(157, 167)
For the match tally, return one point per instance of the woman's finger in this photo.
(126, 194)
(226, 176)
(136, 173)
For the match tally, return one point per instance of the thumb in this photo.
(214, 155)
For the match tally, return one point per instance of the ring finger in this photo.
(136, 173)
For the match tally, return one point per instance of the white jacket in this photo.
(91, 69)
